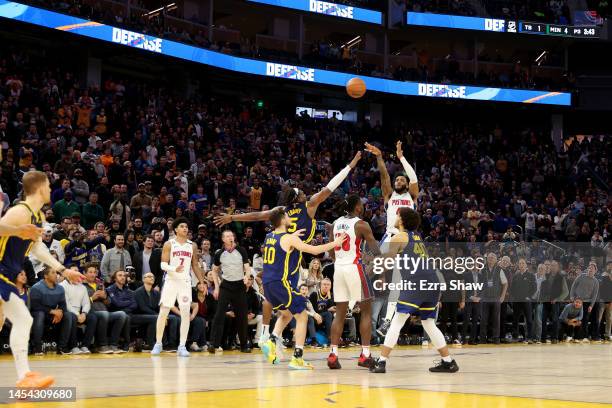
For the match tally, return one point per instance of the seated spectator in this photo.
(206, 305)
(571, 318)
(117, 320)
(48, 308)
(313, 317)
(254, 315)
(145, 315)
(79, 306)
(323, 303)
(121, 299)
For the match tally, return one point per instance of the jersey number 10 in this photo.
(269, 255)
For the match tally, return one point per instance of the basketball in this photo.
(356, 88)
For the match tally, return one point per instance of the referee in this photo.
(231, 266)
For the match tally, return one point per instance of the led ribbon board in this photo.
(92, 29)
(328, 9)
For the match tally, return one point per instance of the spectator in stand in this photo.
(80, 188)
(586, 287)
(55, 249)
(48, 308)
(117, 321)
(148, 260)
(522, 290)
(324, 306)
(206, 305)
(605, 290)
(121, 298)
(92, 212)
(494, 292)
(571, 318)
(115, 259)
(314, 277)
(78, 307)
(145, 316)
(66, 206)
(555, 291)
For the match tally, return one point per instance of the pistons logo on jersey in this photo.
(400, 203)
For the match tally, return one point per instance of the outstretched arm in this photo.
(224, 219)
(413, 187)
(385, 180)
(26, 231)
(333, 184)
(292, 241)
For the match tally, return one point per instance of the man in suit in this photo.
(148, 260)
(473, 307)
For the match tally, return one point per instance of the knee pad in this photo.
(436, 336)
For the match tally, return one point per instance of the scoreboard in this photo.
(500, 25)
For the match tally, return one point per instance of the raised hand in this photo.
(299, 233)
(340, 239)
(373, 149)
(355, 160)
(398, 147)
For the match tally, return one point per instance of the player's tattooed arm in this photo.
(385, 179)
(364, 230)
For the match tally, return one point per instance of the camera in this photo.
(130, 272)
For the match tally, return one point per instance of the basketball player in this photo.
(422, 302)
(351, 283)
(177, 259)
(13, 250)
(281, 250)
(403, 195)
(301, 213)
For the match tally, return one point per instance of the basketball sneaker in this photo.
(298, 363)
(365, 361)
(378, 366)
(182, 352)
(384, 328)
(157, 349)
(269, 350)
(35, 380)
(444, 367)
(333, 362)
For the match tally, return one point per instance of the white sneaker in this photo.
(76, 351)
(568, 339)
(194, 347)
(85, 350)
(425, 343)
(585, 341)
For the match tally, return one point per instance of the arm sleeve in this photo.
(41, 252)
(409, 170)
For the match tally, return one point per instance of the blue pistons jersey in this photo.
(13, 251)
(298, 214)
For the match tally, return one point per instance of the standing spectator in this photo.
(530, 223)
(48, 307)
(92, 212)
(66, 206)
(80, 188)
(540, 279)
(453, 300)
(571, 318)
(605, 290)
(117, 320)
(79, 306)
(206, 257)
(495, 286)
(522, 289)
(249, 243)
(60, 193)
(145, 315)
(148, 260)
(473, 306)
(115, 259)
(121, 298)
(555, 292)
(586, 287)
(231, 264)
(140, 204)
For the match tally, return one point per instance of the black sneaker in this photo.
(378, 366)
(444, 367)
(245, 350)
(384, 328)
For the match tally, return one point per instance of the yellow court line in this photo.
(309, 396)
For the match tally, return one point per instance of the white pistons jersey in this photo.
(394, 204)
(350, 251)
(180, 254)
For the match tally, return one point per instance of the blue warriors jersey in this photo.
(416, 249)
(298, 214)
(277, 261)
(13, 251)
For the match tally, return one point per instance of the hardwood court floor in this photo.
(543, 376)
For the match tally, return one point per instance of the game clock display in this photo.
(560, 30)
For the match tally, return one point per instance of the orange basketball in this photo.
(356, 88)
